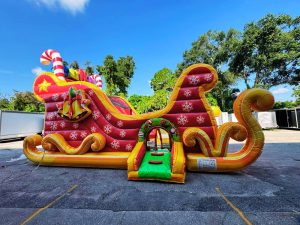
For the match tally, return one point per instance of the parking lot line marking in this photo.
(48, 205)
(296, 211)
(236, 209)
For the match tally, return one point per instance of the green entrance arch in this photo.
(157, 123)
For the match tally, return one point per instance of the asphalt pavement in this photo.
(267, 192)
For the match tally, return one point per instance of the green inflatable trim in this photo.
(156, 171)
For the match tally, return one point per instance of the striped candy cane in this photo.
(58, 66)
(95, 79)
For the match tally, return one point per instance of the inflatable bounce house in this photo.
(86, 128)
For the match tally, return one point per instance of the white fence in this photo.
(266, 120)
(14, 124)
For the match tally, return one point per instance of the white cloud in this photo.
(37, 70)
(280, 91)
(72, 6)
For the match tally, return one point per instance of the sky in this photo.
(155, 33)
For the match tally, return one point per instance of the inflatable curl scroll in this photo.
(228, 130)
(94, 141)
(246, 128)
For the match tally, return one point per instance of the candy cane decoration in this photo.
(95, 79)
(58, 66)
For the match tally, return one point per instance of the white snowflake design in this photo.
(93, 129)
(107, 129)
(120, 123)
(187, 93)
(208, 77)
(64, 95)
(122, 133)
(91, 92)
(182, 120)
(96, 115)
(115, 144)
(193, 80)
(55, 97)
(200, 119)
(187, 106)
(62, 124)
(53, 126)
(83, 134)
(108, 116)
(75, 125)
(128, 147)
(51, 116)
(73, 135)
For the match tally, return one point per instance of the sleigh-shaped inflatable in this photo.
(83, 127)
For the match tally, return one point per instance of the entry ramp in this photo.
(172, 168)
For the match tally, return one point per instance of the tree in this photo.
(74, 65)
(117, 74)
(269, 51)
(4, 103)
(141, 103)
(109, 72)
(215, 48)
(284, 105)
(125, 68)
(162, 84)
(89, 69)
(163, 79)
(159, 100)
(211, 99)
(25, 101)
(296, 93)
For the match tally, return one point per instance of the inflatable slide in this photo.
(84, 127)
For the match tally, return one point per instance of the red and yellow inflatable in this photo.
(84, 127)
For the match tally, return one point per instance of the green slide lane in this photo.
(157, 171)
